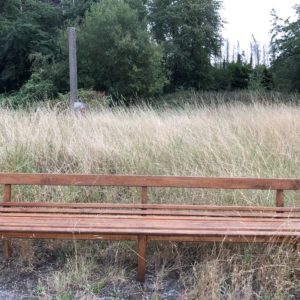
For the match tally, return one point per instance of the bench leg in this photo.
(7, 249)
(142, 243)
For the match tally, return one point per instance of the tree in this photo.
(140, 6)
(261, 78)
(116, 53)
(74, 11)
(285, 47)
(189, 32)
(26, 27)
(239, 73)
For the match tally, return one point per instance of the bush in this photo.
(36, 89)
(116, 53)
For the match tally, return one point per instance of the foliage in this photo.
(234, 75)
(119, 56)
(261, 78)
(189, 31)
(140, 6)
(116, 53)
(36, 89)
(26, 27)
(222, 78)
(74, 11)
(239, 74)
(285, 48)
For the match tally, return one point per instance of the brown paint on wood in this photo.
(149, 181)
(166, 222)
(279, 198)
(150, 206)
(223, 239)
(144, 195)
(7, 249)
(68, 236)
(174, 238)
(157, 228)
(142, 245)
(7, 246)
(7, 193)
(126, 213)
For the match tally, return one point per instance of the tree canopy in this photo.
(285, 48)
(132, 48)
(26, 27)
(190, 33)
(116, 53)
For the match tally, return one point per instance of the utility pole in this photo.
(73, 66)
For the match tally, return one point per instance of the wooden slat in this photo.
(57, 219)
(149, 212)
(149, 226)
(175, 238)
(223, 239)
(67, 236)
(156, 231)
(152, 227)
(149, 181)
(149, 206)
(52, 221)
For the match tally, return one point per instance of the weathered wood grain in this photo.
(149, 181)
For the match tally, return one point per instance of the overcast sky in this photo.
(247, 17)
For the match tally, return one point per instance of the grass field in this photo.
(255, 140)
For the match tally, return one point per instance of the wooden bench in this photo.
(144, 222)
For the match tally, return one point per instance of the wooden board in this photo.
(139, 225)
(149, 181)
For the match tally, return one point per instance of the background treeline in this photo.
(135, 48)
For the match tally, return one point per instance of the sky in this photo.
(247, 17)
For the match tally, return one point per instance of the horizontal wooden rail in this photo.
(154, 214)
(149, 181)
(177, 238)
(149, 206)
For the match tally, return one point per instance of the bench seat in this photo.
(156, 221)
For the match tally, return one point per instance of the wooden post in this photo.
(142, 244)
(279, 198)
(73, 65)
(7, 193)
(144, 196)
(7, 248)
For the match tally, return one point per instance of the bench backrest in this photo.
(9, 179)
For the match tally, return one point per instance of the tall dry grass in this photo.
(228, 140)
(225, 140)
